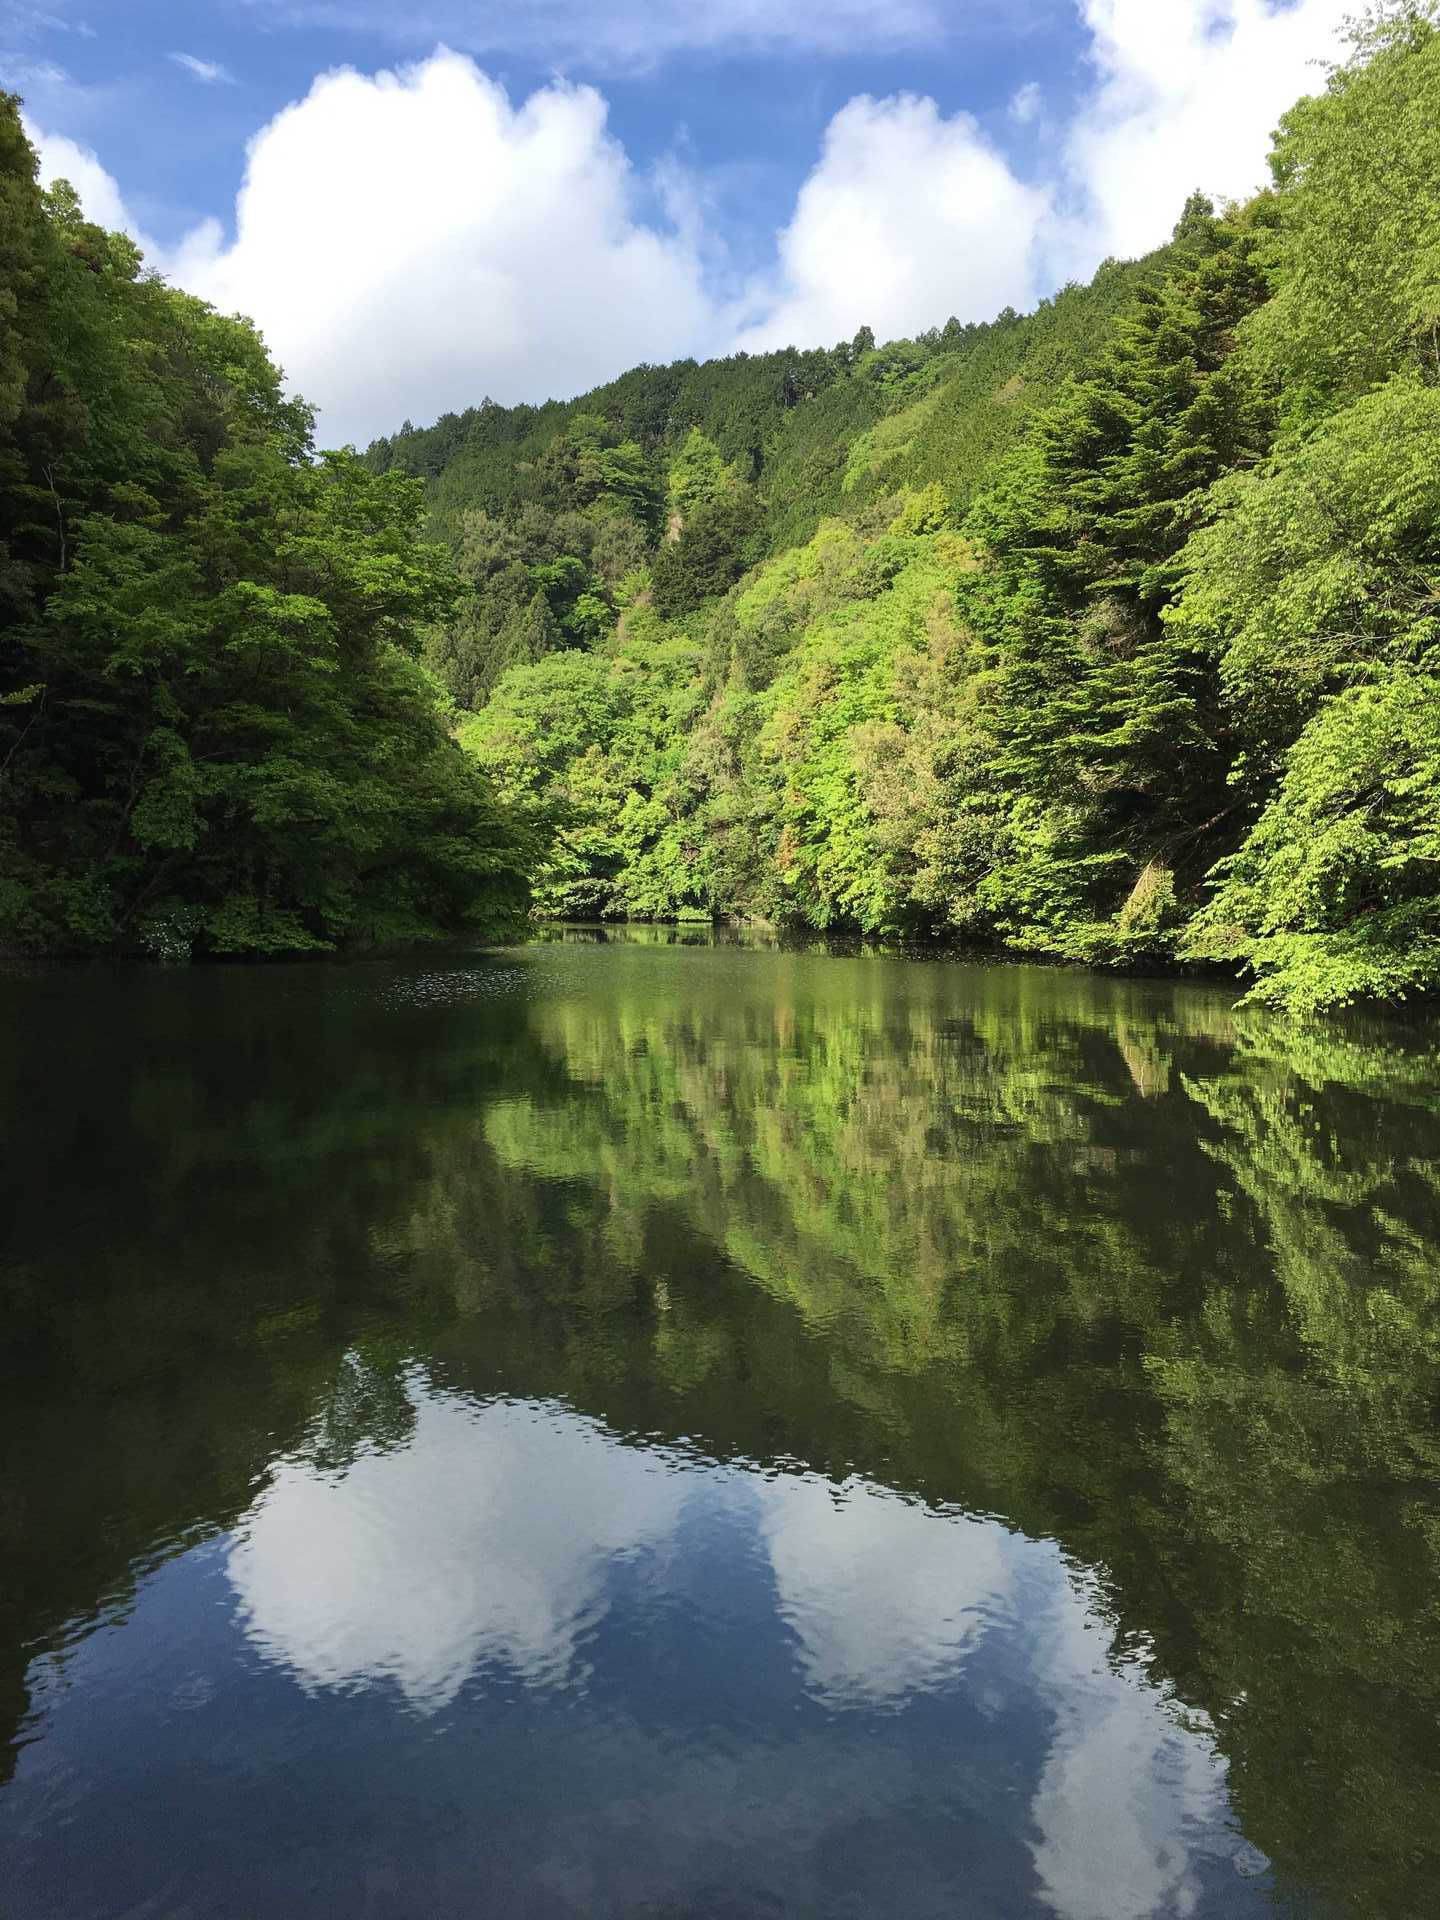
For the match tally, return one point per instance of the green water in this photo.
(655, 1427)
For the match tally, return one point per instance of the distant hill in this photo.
(816, 431)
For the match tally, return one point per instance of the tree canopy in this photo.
(1106, 632)
(216, 732)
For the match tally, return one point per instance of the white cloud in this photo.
(907, 218)
(484, 1537)
(210, 72)
(1128, 1801)
(488, 1537)
(33, 76)
(100, 196)
(27, 22)
(1026, 103)
(885, 1597)
(1187, 94)
(617, 34)
(411, 241)
(888, 1599)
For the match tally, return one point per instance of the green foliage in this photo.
(214, 733)
(540, 583)
(698, 474)
(850, 730)
(1323, 563)
(19, 207)
(1335, 894)
(1356, 261)
(1107, 632)
(1111, 746)
(590, 747)
(925, 511)
(589, 465)
(720, 538)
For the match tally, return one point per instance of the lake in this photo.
(654, 1425)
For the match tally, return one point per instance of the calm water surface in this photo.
(628, 1428)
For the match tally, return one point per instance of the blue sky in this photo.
(748, 111)
(421, 204)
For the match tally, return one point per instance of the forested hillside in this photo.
(215, 734)
(1109, 632)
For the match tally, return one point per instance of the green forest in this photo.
(217, 735)
(1108, 632)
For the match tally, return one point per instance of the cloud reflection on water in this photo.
(885, 1598)
(489, 1535)
(485, 1537)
